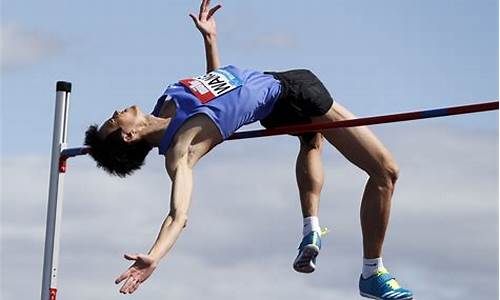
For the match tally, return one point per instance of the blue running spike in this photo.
(383, 286)
(305, 262)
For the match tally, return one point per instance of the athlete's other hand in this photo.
(205, 21)
(142, 268)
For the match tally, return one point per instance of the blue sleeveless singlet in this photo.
(252, 101)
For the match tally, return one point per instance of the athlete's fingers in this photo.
(135, 287)
(203, 8)
(121, 277)
(130, 256)
(128, 284)
(213, 10)
(207, 4)
(195, 19)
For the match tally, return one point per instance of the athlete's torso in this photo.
(230, 97)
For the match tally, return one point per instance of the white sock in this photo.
(311, 224)
(371, 266)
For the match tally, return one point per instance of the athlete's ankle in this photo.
(311, 224)
(371, 266)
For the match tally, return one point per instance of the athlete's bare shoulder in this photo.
(195, 138)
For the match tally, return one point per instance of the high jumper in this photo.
(198, 113)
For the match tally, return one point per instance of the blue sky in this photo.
(376, 57)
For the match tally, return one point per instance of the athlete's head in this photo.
(117, 145)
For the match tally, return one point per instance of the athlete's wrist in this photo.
(210, 37)
(155, 256)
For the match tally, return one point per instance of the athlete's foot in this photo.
(383, 286)
(308, 251)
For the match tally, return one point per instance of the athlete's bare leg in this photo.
(309, 173)
(360, 146)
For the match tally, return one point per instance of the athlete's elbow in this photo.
(179, 218)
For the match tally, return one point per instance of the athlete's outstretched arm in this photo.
(181, 174)
(205, 22)
(196, 137)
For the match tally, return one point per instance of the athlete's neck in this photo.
(154, 129)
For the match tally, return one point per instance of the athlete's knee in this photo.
(311, 141)
(392, 170)
(386, 173)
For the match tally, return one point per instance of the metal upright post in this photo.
(55, 201)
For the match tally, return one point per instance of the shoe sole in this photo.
(377, 298)
(304, 262)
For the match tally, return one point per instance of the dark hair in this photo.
(113, 154)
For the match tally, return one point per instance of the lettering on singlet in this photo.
(212, 85)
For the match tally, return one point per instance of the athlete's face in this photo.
(128, 120)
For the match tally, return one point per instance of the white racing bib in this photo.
(212, 85)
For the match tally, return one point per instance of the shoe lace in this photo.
(324, 231)
(393, 284)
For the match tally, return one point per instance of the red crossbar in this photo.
(416, 115)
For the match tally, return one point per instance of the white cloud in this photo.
(245, 223)
(21, 47)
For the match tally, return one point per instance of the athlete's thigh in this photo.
(358, 144)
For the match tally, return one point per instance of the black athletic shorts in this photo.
(302, 96)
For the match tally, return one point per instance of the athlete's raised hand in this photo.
(142, 268)
(205, 21)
